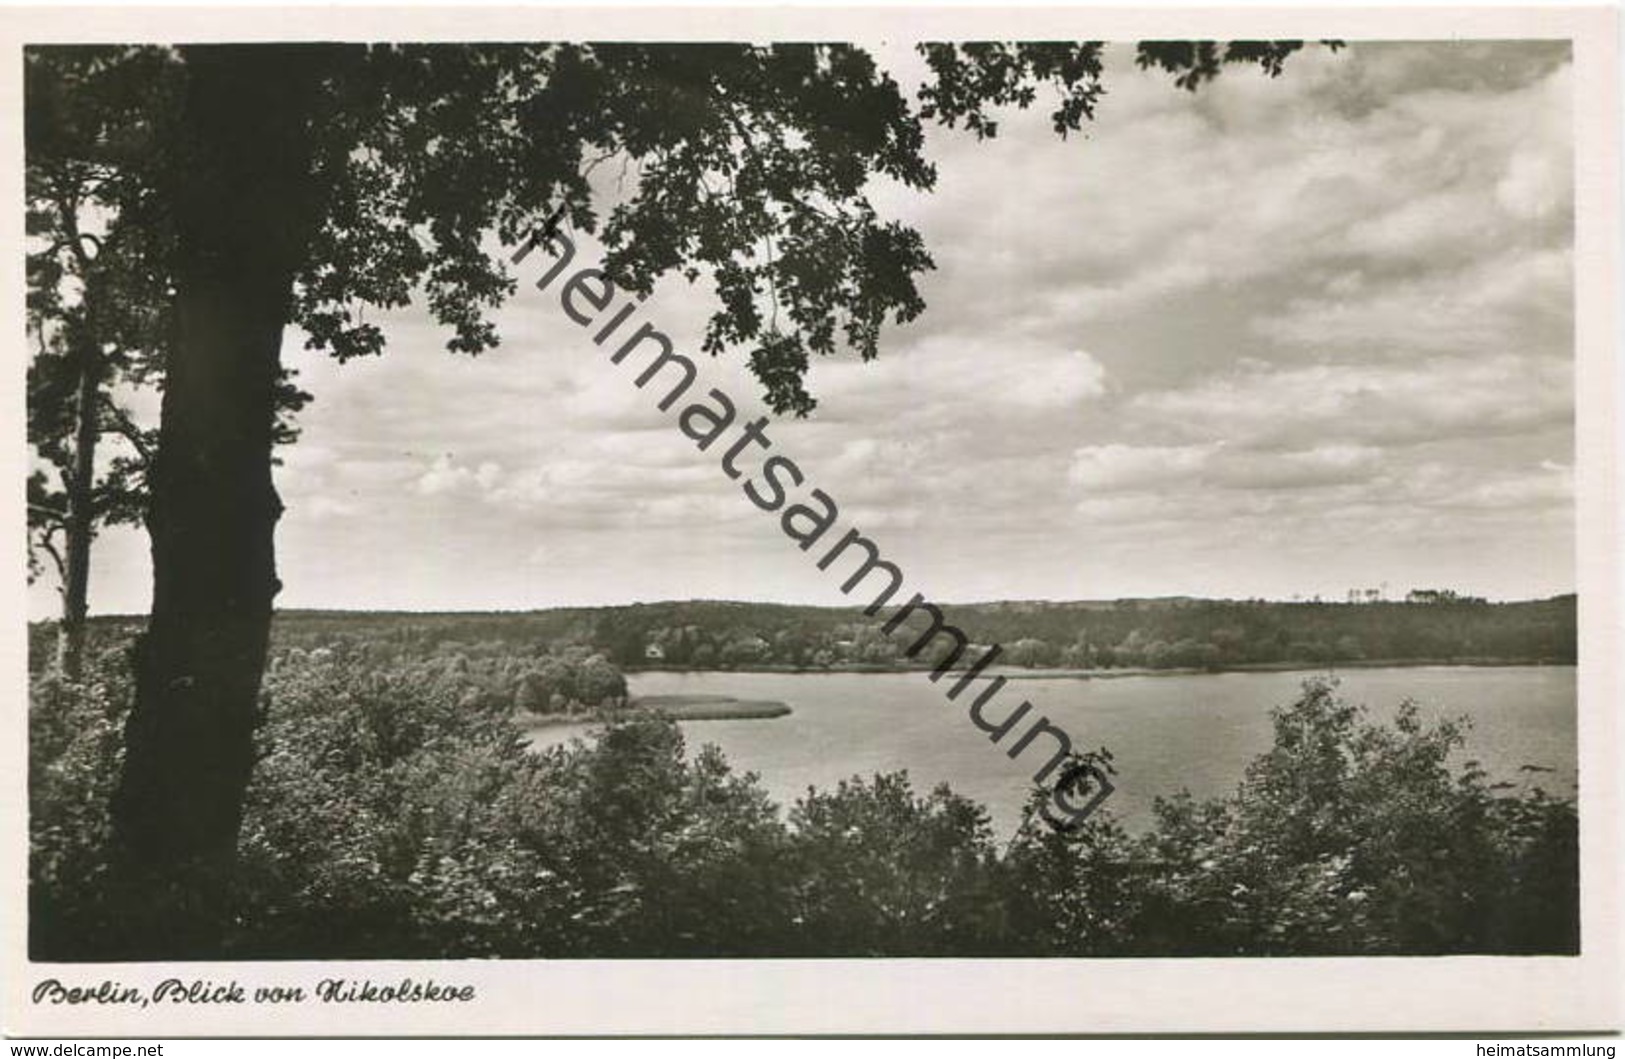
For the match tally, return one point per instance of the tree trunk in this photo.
(241, 196)
(79, 484)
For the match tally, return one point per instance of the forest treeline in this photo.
(1147, 633)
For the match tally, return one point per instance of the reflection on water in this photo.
(1166, 732)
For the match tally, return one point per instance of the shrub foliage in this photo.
(397, 812)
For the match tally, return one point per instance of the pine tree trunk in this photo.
(242, 199)
(70, 643)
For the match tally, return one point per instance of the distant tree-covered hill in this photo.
(1149, 633)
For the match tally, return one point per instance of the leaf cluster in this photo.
(750, 167)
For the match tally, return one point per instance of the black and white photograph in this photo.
(749, 503)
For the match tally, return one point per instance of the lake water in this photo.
(1166, 732)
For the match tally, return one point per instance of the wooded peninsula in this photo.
(1108, 636)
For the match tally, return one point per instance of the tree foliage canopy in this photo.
(747, 167)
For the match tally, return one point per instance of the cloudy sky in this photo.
(1276, 338)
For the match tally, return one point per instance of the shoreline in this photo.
(1118, 672)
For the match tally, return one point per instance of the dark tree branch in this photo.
(49, 548)
(125, 427)
(44, 509)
